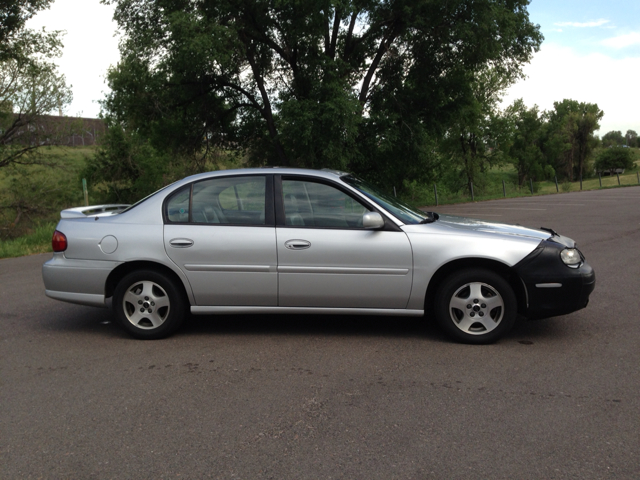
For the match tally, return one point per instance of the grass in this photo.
(38, 241)
(31, 195)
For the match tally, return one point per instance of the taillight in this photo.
(59, 241)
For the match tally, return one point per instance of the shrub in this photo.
(613, 158)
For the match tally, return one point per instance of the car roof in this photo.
(325, 173)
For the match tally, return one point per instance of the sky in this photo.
(591, 53)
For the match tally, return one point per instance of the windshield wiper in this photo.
(430, 217)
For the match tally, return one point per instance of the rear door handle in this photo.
(181, 242)
(297, 244)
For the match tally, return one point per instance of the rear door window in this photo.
(221, 201)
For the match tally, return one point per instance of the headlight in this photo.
(571, 257)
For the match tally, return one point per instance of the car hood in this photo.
(475, 225)
(459, 225)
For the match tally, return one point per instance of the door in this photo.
(221, 233)
(326, 258)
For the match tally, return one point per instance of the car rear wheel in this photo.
(149, 305)
(476, 306)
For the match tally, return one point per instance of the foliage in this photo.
(125, 167)
(33, 193)
(38, 240)
(613, 138)
(367, 86)
(478, 136)
(525, 152)
(631, 138)
(569, 136)
(613, 158)
(13, 16)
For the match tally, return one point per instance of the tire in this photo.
(149, 305)
(475, 306)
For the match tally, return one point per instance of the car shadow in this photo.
(307, 324)
(100, 321)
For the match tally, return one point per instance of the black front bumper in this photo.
(550, 287)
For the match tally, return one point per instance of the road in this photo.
(287, 397)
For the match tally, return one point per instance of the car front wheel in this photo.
(475, 306)
(149, 305)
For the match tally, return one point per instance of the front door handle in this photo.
(297, 244)
(181, 242)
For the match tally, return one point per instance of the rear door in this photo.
(221, 233)
(327, 259)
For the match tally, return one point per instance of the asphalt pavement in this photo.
(314, 397)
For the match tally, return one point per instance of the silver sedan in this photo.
(305, 241)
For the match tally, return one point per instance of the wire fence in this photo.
(435, 195)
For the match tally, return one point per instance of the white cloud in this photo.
(556, 73)
(595, 23)
(622, 41)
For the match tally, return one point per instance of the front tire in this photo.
(475, 306)
(149, 305)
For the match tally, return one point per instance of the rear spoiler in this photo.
(93, 211)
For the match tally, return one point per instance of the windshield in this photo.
(407, 214)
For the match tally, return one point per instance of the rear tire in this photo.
(149, 305)
(475, 306)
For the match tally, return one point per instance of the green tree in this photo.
(13, 16)
(613, 138)
(525, 151)
(610, 159)
(478, 136)
(569, 135)
(30, 87)
(631, 138)
(342, 84)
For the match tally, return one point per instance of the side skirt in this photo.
(226, 310)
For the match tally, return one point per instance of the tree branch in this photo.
(382, 49)
(334, 35)
(266, 111)
(347, 44)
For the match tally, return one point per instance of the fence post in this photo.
(556, 177)
(504, 190)
(531, 185)
(86, 193)
(600, 179)
(473, 198)
(580, 181)
(618, 175)
(435, 192)
(394, 192)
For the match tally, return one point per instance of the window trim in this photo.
(269, 213)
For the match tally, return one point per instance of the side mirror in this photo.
(372, 221)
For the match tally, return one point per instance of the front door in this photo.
(326, 258)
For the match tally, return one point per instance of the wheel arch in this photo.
(124, 269)
(449, 268)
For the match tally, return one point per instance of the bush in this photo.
(613, 158)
